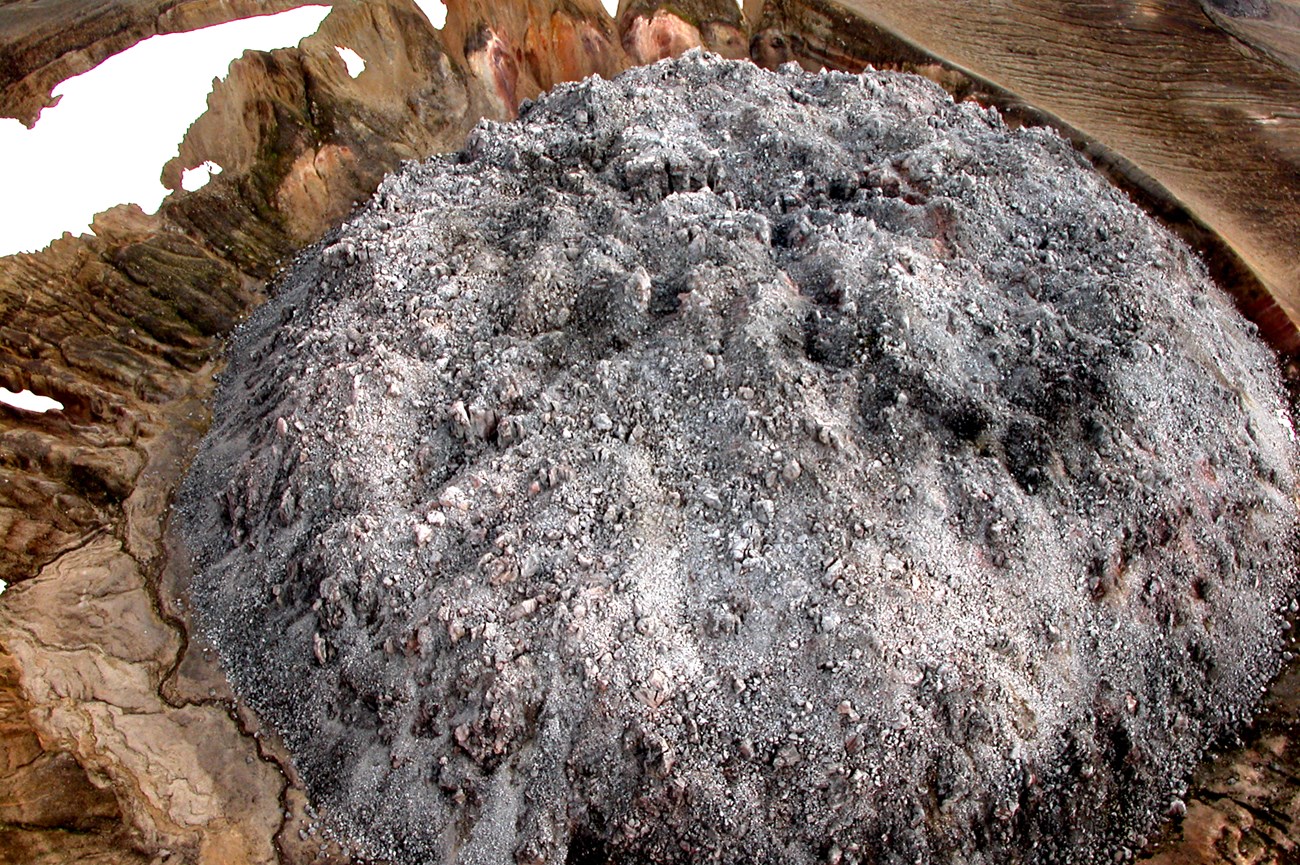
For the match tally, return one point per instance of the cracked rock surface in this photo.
(726, 465)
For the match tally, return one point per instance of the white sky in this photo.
(107, 140)
(198, 176)
(436, 11)
(355, 62)
(29, 401)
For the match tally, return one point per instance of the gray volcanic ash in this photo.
(718, 465)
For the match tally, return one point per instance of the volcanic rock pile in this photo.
(718, 465)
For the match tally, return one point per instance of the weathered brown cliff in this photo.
(122, 326)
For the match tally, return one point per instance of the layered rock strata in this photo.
(121, 327)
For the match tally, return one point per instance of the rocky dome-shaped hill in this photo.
(718, 465)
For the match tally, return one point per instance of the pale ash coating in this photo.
(721, 466)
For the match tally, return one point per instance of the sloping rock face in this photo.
(121, 326)
(1270, 27)
(124, 348)
(716, 463)
(304, 141)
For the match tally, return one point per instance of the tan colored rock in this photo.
(94, 597)
(93, 653)
(54, 791)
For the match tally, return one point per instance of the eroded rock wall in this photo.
(121, 326)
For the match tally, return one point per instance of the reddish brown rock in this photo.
(653, 30)
(659, 35)
(108, 324)
(515, 51)
(1245, 806)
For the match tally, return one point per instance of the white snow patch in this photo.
(198, 176)
(28, 401)
(116, 125)
(435, 11)
(355, 62)
(3, 586)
